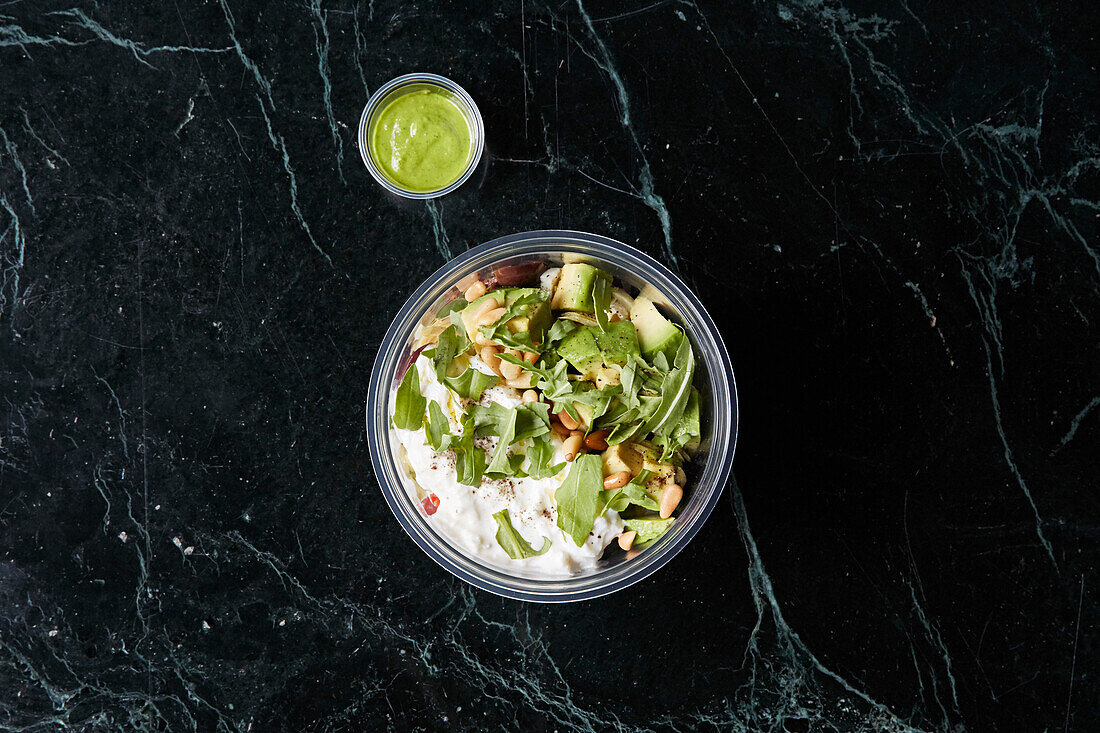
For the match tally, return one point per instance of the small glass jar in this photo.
(516, 257)
(405, 85)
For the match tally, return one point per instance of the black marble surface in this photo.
(890, 208)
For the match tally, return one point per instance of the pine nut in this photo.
(467, 281)
(509, 370)
(530, 396)
(490, 317)
(670, 499)
(617, 480)
(560, 430)
(481, 339)
(482, 309)
(597, 440)
(633, 554)
(489, 355)
(523, 381)
(572, 446)
(568, 421)
(475, 291)
(626, 539)
(530, 357)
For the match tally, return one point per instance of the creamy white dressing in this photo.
(465, 513)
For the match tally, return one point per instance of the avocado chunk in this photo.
(649, 529)
(591, 350)
(664, 475)
(621, 457)
(574, 289)
(535, 319)
(656, 333)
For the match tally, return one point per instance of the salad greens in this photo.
(511, 540)
(627, 384)
(578, 496)
(409, 404)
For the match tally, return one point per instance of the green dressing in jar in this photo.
(422, 141)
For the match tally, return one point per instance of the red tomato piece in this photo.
(430, 504)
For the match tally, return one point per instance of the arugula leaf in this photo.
(627, 430)
(457, 322)
(512, 542)
(628, 381)
(506, 430)
(450, 344)
(521, 340)
(601, 301)
(577, 497)
(617, 414)
(660, 362)
(469, 458)
(409, 404)
(515, 463)
(471, 383)
(675, 390)
(552, 377)
(620, 499)
(686, 431)
(530, 420)
(453, 307)
(540, 453)
(436, 425)
(560, 330)
(598, 400)
(499, 332)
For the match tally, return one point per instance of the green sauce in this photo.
(421, 140)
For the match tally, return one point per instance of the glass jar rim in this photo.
(374, 105)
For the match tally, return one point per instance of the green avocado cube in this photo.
(574, 288)
(656, 333)
(589, 349)
(649, 529)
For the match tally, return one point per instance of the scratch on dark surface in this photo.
(187, 117)
(1075, 423)
(632, 13)
(1073, 662)
(13, 153)
(794, 651)
(991, 323)
(278, 143)
(121, 414)
(13, 260)
(442, 243)
(261, 81)
(140, 52)
(523, 61)
(646, 185)
(322, 43)
(931, 317)
(31, 131)
(360, 49)
(759, 107)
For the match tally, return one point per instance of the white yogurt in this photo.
(465, 513)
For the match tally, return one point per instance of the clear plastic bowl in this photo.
(707, 472)
(404, 85)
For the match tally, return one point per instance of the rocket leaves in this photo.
(409, 404)
(577, 497)
(512, 542)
